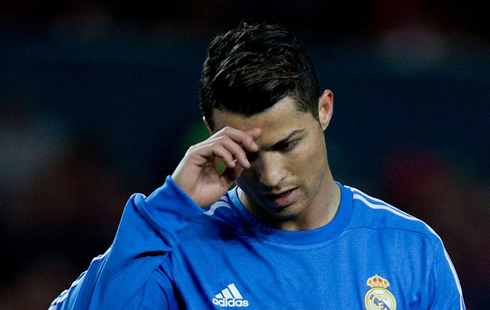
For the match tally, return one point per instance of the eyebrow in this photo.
(289, 137)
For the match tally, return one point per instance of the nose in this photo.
(271, 170)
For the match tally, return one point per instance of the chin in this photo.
(286, 214)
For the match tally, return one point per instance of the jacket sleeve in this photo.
(446, 289)
(148, 230)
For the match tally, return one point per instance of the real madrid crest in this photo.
(378, 297)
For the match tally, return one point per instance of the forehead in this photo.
(276, 122)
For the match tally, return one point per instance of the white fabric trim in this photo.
(216, 206)
(357, 194)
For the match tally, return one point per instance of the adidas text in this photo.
(230, 302)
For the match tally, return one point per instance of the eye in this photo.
(286, 146)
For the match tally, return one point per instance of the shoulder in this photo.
(221, 216)
(373, 213)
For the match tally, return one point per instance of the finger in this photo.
(220, 151)
(210, 149)
(231, 174)
(255, 133)
(242, 138)
(237, 151)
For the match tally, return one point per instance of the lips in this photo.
(280, 194)
(283, 199)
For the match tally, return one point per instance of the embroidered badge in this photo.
(378, 297)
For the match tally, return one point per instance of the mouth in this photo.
(283, 199)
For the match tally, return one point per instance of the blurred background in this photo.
(99, 100)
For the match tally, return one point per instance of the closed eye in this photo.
(286, 146)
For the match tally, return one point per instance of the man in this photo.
(288, 236)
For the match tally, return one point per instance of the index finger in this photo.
(245, 139)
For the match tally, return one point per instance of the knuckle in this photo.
(216, 147)
(224, 130)
(225, 156)
(248, 139)
(225, 139)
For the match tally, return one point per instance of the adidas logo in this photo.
(230, 297)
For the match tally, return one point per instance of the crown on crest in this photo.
(377, 281)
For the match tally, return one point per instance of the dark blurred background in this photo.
(99, 99)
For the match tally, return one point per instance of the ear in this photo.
(207, 125)
(325, 108)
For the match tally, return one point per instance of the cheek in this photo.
(309, 161)
(305, 157)
(298, 163)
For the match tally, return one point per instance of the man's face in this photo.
(287, 173)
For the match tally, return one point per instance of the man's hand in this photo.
(196, 174)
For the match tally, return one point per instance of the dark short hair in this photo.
(251, 68)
